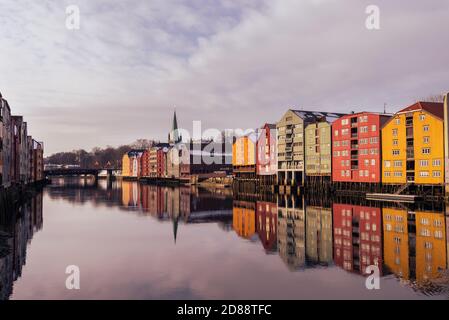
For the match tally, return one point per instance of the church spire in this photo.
(175, 228)
(174, 136)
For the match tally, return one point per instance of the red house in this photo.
(356, 148)
(357, 237)
(145, 164)
(266, 152)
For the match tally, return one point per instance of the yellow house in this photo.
(244, 156)
(126, 166)
(396, 241)
(430, 245)
(244, 218)
(244, 151)
(413, 145)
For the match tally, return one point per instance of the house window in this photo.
(336, 133)
(422, 117)
(395, 142)
(398, 121)
(424, 163)
(426, 140)
(436, 162)
(387, 164)
(395, 132)
(397, 164)
(395, 152)
(426, 128)
(387, 173)
(425, 150)
(424, 174)
(436, 174)
(373, 128)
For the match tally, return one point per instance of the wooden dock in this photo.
(393, 197)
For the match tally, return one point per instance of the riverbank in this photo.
(12, 196)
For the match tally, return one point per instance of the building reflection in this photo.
(357, 237)
(266, 225)
(244, 218)
(408, 242)
(319, 235)
(291, 231)
(16, 232)
(415, 244)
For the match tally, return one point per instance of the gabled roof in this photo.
(269, 125)
(311, 116)
(134, 153)
(435, 108)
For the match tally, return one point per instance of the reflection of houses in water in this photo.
(415, 245)
(291, 231)
(357, 237)
(181, 204)
(244, 218)
(266, 224)
(319, 235)
(15, 235)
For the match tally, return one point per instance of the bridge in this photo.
(61, 172)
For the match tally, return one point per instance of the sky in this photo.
(227, 63)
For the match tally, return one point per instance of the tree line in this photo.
(109, 157)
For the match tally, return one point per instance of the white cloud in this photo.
(131, 62)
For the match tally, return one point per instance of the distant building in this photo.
(5, 143)
(204, 159)
(37, 160)
(266, 153)
(126, 166)
(173, 167)
(135, 157)
(145, 164)
(158, 160)
(132, 163)
(16, 152)
(244, 156)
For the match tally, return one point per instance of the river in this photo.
(133, 241)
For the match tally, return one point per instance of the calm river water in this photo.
(134, 241)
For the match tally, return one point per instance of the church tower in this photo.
(174, 137)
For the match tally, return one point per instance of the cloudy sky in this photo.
(228, 63)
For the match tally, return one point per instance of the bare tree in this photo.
(434, 98)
